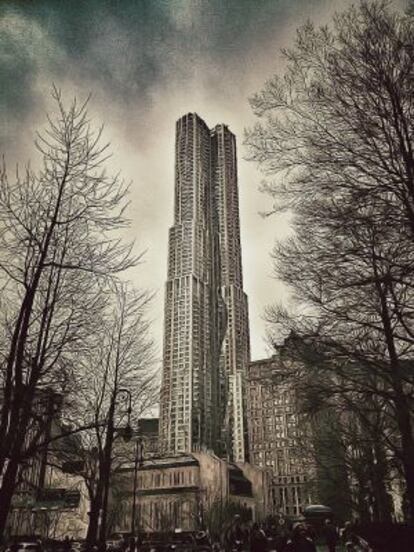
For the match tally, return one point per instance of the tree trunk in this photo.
(95, 507)
(8, 485)
(382, 504)
(407, 449)
(402, 409)
(6, 493)
(96, 530)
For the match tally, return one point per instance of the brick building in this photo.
(275, 432)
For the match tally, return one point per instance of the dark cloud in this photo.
(146, 63)
(125, 48)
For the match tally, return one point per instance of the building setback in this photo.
(206, 336)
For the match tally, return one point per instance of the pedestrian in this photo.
(331, 535)
(310, 531)
(131, 544)
(216, 547)
(282, 534)
(271, 534)
(348, 536)
(299, 542)
(202, 539)
(352, 541)
(234, 536)
(258, 540)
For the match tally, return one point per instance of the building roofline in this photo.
(264, 360)
(213, 129)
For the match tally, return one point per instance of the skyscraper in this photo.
(235, 354)
(206, 337)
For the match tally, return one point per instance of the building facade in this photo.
(235, 355)
(62, 507)
(32, 473)
(275, 431)
(206, 336)
(51, 499)
(180, 491)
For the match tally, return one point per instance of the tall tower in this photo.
(235, 354)
(206, 344)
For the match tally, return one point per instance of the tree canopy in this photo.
(334, 138)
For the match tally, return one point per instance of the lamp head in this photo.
(127, 433)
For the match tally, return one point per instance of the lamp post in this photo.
(138, 458)
(107, 460)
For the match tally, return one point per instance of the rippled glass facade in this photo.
(206, 337)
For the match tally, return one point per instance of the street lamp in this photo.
(138, 458)
(127, 430)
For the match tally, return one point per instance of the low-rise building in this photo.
(52, 498)
(32, 470)
(61, 508)
(56, 505)
(178, 491)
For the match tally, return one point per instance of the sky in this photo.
(145, 64)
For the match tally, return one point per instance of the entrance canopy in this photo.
(317, 509)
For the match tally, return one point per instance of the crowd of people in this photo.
(278, 535)
(274, 535)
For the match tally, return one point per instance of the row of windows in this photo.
(171, 479)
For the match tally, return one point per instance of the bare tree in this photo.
(352, 434)
(117, 384)
(57, 252)
(336, 137)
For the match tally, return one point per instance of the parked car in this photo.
(25, 546)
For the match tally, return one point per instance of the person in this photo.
(234, 537)
(299, 542)
(351, 541)
(310, 531)
(270, 530)
(123, 544)
(331, 535)
(202, 538)
(282, 534)
(258, 540)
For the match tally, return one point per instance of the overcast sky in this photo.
(146, 63)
